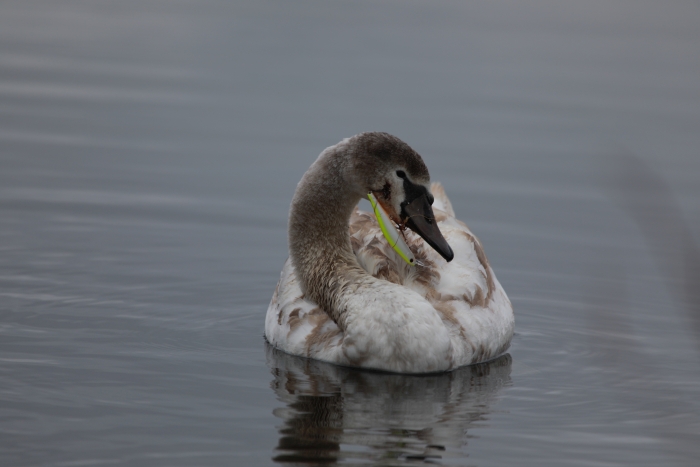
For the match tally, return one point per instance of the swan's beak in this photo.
(422, 221)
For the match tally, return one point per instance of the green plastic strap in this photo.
(390, 232)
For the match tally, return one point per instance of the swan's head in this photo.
(397, 176)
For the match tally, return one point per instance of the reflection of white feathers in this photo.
(457, 312)
(387, 415)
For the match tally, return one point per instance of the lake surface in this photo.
(148, 154)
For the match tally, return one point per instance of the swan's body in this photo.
(346, 297)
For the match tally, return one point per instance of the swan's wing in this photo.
(468, 293)
(297, 325)
(465, 291)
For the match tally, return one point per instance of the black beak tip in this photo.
(443, 249)
(450, 254)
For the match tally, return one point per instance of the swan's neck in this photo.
(319, 242)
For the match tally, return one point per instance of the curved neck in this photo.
(319, 242)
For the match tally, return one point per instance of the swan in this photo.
(351, 295)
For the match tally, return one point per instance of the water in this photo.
(148, 154)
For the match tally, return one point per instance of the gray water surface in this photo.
(148, 154)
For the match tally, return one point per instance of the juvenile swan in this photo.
(346, 297)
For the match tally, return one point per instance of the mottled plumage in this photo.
(346, 297)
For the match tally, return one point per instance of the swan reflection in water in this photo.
(336, 414)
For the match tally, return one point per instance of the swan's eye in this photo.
(401, 173)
